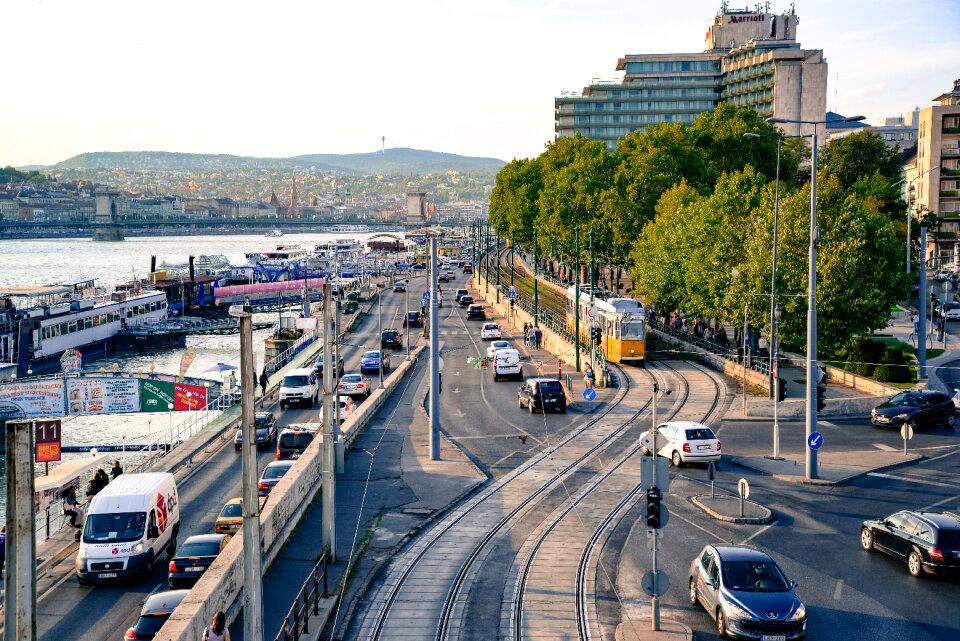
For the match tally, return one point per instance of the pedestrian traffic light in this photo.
(781, 389)
(595, 335)
(653, 507)
(821, 393)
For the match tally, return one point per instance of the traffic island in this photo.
(641, 631)
(727, 508)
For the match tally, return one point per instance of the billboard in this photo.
(32, 398)
(103, 395)
(158, 396)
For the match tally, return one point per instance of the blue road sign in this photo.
(589, 394)
(426, 295)
(815, 440)
(512, 293)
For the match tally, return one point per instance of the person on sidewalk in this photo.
(70, 506)
(916, 323)
(537, 337)
(526, 333)
(217, 630)
(588, 377)
(264, 381)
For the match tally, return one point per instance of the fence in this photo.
(756, 363)
(276, 363)
(307, 604)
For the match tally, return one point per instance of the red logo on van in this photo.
(161, 513)
(115, 550)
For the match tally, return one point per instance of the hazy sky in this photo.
(288, 77)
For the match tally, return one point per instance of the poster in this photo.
(189, 397)
(157, 396)
(32, 398)
(103, 395)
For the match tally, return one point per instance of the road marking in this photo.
(838, 590)
(939, 503)
(910, 480)
(759, 532)
(885, 448)
(699, 527)
(937, 458)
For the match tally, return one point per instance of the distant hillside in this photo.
(391, 161)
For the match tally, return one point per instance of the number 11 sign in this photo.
(47, 437)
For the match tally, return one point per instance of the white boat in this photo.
(274, 233)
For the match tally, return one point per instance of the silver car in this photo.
(354, 385)
(747, 594)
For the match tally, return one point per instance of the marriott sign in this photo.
(747, 18)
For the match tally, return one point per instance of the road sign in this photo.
(512, 293)
(743, 488)
(815, 440)
(710, 470)
(662, 583)
(906, 432)
(426, 295)
(47, 436)
(663, 473)
(589, 394)
(592, 311)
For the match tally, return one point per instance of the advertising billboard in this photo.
(103, 395)
(32, 398)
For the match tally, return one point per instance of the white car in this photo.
(346, 409)
(495, 345)
(354, 385)
(490, 331)
(684, 442)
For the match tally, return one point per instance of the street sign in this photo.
(815, 440)
(743, 489)
(662, 583)
(592, 311)
(663, 474)
(906, 432)
(512, 293)
(47, 436)
(589, 394)
(426, 295)
(710, 470)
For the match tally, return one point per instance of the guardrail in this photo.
(280, 360)
(756, 363)
(307, 604)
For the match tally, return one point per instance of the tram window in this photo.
(633, 329)
(71, 327)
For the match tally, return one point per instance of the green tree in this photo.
(513, 200)
(859, 155)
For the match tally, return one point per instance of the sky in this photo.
(471, 77)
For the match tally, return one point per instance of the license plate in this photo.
(194, 569)
(107, 575)
(550, 400)
(773, 637)
(295, 455)
(704, 447)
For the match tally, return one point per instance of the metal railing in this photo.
(277, 363)
(307, 604)
(756, 363)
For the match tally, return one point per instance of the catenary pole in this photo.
(328, 445)
(434, 356)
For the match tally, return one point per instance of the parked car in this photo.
(542, 394)
(155, 612)
(918, 408)
(475, 312)
(685, 442)
(193, 558)
(299, 387)
(346, 410)
(291, 443)
(230, 519)
(466, 300)
(495, 345)
(400, 286)
(318, 364)
(928, 541)
(391, 339)
(490, 331)
(271, 475)
(461, 293)
(354, 385)
(265, 424)
(412, 319)
(747, 594)
(949, 311)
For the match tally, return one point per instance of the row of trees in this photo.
(689, 211)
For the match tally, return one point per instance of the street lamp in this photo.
(811, 382)
(775, 367)
(536, 291)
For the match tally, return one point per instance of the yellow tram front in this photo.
(621, 323)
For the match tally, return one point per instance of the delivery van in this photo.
(299, 387)
(128, 525)
(506, 363)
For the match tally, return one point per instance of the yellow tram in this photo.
(620, 321)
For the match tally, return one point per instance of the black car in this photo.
(318, 365)
(475, 312)
(460, 294)
(542, 394)
(916, 408)
(443, 278)
(194, 557)
(466, 300)
(928, 541)
(292, 443)
(271, 475)
(413, 319)
(156, 610)
(265, 423)
(390, 339)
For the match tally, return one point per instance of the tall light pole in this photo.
(380, 331)
(434, 356)
(576, 294)
(593, 347)
(497, 264)
(328, 444)
(811, 382)
(536, 289)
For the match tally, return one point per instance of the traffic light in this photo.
(653, 507)
(821, 393)
(781, 389)
(595, 335)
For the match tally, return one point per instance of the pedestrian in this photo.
(588, 377)
(233, 380)
(526, 333)
(104, 478)
(529, 336)
(537, 336)
(3, 549)
(70, 506)
(116, 470)
(217, 630)
(916, 323)
(264, 381)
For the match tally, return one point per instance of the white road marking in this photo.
(838, 590)
(699, 527)
(759, 532)
(885, 448)
(937, 458)
(910, 480)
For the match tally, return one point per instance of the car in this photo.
(475, 312)
(942, 274)
(372, 361)
(419, 267)
(391, 339)
(230, 519)
(746, 593)
(442, 277)
(413, 319)
(346, 409)
(466, 300)
(271, 475)
(468, 269)
(451, 276)
(490, 331)
(542, 394)
(460, 293)
(949, 311)
(318, 364)
(292, 442)
(299, 387)
(354, 385)
(400, 286)
(917, 408)
(155, 612)
(929, 542)
(685, 442)
(193, 558)
(265, 423)
(495, 345)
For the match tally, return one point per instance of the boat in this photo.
(274, 233)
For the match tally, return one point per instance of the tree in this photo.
(859, 155)
(513, 200)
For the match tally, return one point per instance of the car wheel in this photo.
(283, 406)
(915, 564)
(563, 409)
(866, 539)
(693, 592)
(721, 624)
(150, 564)
(676, 460)
(172, 547)
(83, 581)
(951, 419)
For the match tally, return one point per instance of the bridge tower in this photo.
(416, 207)
(106, 223)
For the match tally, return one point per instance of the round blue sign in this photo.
(589, 394)
(815, 440)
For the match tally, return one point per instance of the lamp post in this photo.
(775, 368)
(536, 290)
(497, 264)
(576, 294)
(380, 332)
(811, 382)
(593, 347)
(513, 244)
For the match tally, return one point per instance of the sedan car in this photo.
(929, 542)
(193, 558)
(490, 331)
(346, 410)
(475, 312)
(916, 408)
(413, 319)
(400, 286)
(949, 311)
(354, 385)
(391, 339)
(685, 442)
(230, 519)
(156, 610)
(443, 278)
(372, 361)
(265, 423)
(271, 475)
(747, 594)
(465, 300)
(318, 364)
(495, 345)
(460, 294)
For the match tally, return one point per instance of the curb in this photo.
(751, 520)
(800, 480)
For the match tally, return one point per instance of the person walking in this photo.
(526, 333)
(217, 630)
(537, 337)
(116, 470)
(70, 506)
(264, 381)
(3, 549)
(588, 377)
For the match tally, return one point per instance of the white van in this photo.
(128, 525)
(506, 363)
(299, 386)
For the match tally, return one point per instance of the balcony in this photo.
(946, 171)
(950, 152)
(950, 194)
(951, 130)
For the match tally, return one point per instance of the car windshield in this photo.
(200, 548)
(262, 422)
(550, 387)
(390, 335)
(950, 306)
(373, 355)
(499, 344)
(908, 400)
(296, 381)
(700, 434)
(275, 472)
(150, 624)
(350, 379)
(949, 538)
(754, 576)
(114, 528)
(296, 439)
(232, 509)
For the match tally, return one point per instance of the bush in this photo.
(863, 356)
(893, 367)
